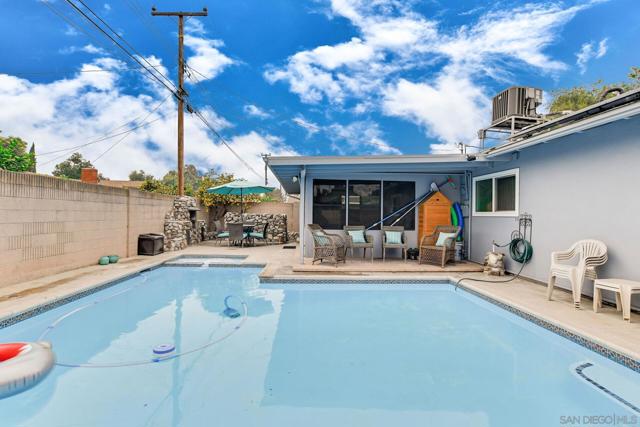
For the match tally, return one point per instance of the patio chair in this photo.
(589, 253)
(261, 235)
(236, 233)
(357, 238)
(327, 246)
(439, 247)
(391, 240)
(220, 233)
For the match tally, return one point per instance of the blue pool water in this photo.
(305, 355)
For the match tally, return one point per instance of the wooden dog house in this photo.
(434, 211)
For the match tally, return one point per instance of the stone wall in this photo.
(181, 226)
(290, 210)
(277, 230)
(49, 225)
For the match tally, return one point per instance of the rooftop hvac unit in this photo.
(519, 102)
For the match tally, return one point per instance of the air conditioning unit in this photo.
(517, 101)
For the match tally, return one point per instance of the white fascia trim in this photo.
(589, 123)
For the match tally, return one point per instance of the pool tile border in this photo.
(594, 346)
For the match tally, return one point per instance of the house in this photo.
(577, 175)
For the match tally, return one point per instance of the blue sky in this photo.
(316, 77)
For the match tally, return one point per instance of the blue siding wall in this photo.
(585, 185)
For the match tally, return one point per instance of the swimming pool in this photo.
(307, 355)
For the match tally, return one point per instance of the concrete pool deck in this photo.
(606, 328)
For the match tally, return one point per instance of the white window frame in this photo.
(493, 176)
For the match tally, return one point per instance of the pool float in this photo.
(23, 365)
(458, 209)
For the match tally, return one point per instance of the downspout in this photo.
(302, 219)
(469, 181)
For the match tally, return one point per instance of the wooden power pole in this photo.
(181, 92)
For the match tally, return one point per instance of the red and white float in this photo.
(23, 365)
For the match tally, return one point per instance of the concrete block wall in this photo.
(49, 225)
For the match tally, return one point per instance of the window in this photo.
(329, 210)
(397, 194)
(364, 203)
(496, 194)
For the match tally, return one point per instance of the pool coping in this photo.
(604, 349)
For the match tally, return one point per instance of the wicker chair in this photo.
(327, 246)
(438, 255)
(351, 245)
(589, 253)
(386, 245)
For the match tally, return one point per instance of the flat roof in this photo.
(623, 106)
(285, 168)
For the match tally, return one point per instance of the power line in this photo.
(124, 41)
(162, 82)
(126, 133)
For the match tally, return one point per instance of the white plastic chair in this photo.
(590, 254)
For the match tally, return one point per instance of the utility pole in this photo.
(265, 159)
(181, 92)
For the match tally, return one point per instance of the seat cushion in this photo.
(357, 236)
(256, 235)
(394, 237)
(223, 234)
(442, 238)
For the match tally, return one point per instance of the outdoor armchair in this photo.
(364, 245)
(432, 253)
(388, 243)
(589, 254)
(327, 246)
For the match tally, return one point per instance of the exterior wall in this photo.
(49, 225)
(423, 181)
(581, 186)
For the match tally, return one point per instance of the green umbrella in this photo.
(240, 187)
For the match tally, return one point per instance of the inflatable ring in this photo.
(23, 365)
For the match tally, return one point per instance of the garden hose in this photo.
(520, 250)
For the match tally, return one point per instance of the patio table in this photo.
(623, 290)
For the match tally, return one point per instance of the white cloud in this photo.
(359, 137)
(88, 48)
(394, 41)
(207, 59)
(106, 7)
(589, 51)
(311, 127)
(66, 113)
(70, 31)
(255, 111)
(451, 109)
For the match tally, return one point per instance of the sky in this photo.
(291, 77)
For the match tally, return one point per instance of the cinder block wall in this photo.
(49, 225)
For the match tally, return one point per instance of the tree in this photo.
(14, 157)
(579, 97)
(139, 176)
(72, 167)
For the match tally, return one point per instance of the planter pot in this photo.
(104, 260)
(113, 259)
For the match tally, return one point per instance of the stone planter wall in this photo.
(277, 223)
(179, 229)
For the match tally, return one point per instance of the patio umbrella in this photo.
(240, 188)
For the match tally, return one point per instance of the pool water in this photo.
(305, 355)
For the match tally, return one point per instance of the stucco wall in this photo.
(423, 181)
(581, 186)
(49, 225)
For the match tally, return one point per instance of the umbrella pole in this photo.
(242, 218)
